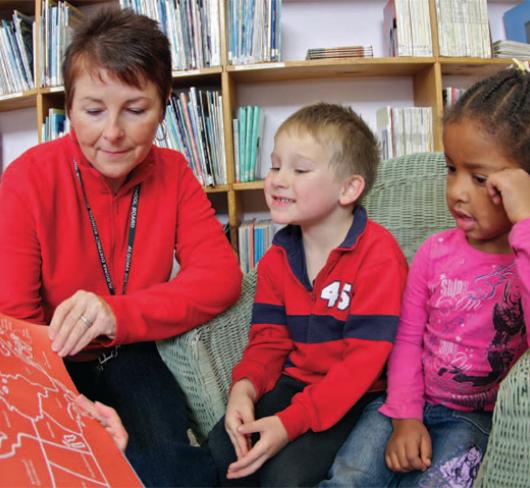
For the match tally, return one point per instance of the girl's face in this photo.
(472, 155)
(115, 123)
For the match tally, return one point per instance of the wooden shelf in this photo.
(17, 101)
(472, 66)
(216, 189)
(251, 185)
(330, 68)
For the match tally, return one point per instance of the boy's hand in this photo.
(511, 188)
(239, 411)
(409, 447)
(107, 417)
(273, 438)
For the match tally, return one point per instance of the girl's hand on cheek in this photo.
(511, 188)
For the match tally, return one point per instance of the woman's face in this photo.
(115, 123)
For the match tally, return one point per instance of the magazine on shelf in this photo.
(340, 52)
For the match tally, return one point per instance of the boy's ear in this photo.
(352, 189)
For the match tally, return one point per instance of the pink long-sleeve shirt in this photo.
(462, 324)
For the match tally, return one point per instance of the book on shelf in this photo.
(46, 439)
(57, 23)
(463, 28)
(340, 52)
(192, 27)
(517, 22)
(254, 31)
(511, 49)
(407, 28)
(255, 237)
(248, 135)
(451, 94)
(55, 125)
(404, 130)
(16, 54)
(193, 125)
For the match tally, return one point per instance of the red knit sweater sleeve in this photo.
(208, 282)
(269, 342)
(378, 287)
(20, 257)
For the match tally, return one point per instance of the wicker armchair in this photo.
(408, 198)
(507, 460)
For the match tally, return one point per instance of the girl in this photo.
(462, 323)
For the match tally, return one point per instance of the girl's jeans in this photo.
(459, 441)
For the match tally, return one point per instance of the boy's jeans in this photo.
(459, 441)
(304, 461)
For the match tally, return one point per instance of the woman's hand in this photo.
(107, 417)
(78, 320)
(273, 438)
(239, 411)
(409, 447)
(511, 188)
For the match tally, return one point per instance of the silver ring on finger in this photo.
(86, 321)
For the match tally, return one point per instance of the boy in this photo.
(325, 311)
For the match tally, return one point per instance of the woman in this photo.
(90, 224)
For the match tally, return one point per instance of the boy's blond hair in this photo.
(355, 149)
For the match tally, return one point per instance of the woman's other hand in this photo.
(107, 417)
(78, 320)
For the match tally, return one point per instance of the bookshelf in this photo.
(282, 87)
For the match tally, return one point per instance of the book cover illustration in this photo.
(45, 440)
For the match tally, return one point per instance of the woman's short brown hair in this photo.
(129, 46)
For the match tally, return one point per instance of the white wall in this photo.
(18, 132)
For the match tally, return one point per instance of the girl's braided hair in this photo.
(500, 104)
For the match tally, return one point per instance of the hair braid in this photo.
(501, 105)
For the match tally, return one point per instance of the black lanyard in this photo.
(130, 242)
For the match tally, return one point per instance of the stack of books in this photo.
(255, 237)
(407, 28)
(451, 94)
(194, 126)
(404, 130)
(16, 54)
(340, 52)
(248, 134)
(511, 49)
(192, 27)
(463, 28)
(254, 31)
(55, 125)
(57, 23)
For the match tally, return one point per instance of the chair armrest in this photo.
(202, 359)
(507, 460)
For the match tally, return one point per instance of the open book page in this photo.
(45, 440)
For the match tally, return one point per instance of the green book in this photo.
(256, 132)
(248, 143)
(242, 118)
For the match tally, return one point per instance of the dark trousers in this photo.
(304, 461)
(152, 407)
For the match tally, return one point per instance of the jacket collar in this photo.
(290, 239)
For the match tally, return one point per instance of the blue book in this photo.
(517, 22)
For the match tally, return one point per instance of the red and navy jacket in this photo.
(335, 334)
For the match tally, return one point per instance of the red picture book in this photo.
(45, 440)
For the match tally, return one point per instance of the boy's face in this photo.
(301, 186)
